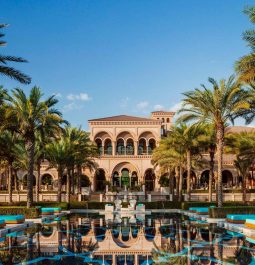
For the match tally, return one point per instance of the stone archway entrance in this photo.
(125, 174)
(100, 179)
(149, 179)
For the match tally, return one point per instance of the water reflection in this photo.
(155, 240)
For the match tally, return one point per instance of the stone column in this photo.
(113, 148)
(136, 148)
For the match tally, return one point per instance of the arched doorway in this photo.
(47, 179)
(125, 177)
(192, 180)
(134, 179)
(100, 179)
(85, 181)
(108, 147)
(204, 180)
(227, 179)
(116, 179)
(149, 178)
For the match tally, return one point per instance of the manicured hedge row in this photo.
(221, 212)
(187, 205)
(33, 212)
(87, 205)
(63, 205)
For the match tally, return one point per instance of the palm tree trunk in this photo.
(10, 181)
(38, 184)
(211, 176)
(180, 183)
(220, 145)
(188, 173)
(177, 178)
(60, 176)
(15, 180)
(30, 173)
(244, 187)
(79, 179)
(68, 185)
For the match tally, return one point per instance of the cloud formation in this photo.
(81, 96)
(158, 107)
(142, 105)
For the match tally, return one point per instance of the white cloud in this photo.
(176, 107)
(81, 96)
(158, 107)
(71, 106)
(142, 105)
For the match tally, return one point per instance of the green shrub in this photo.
(221, 212)
(187, 205)
(87, 205)
(33, 212)
(162, 205)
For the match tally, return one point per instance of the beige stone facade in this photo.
(126, 144)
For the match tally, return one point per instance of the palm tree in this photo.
(217, 106)
(57, 153)
(242, 145)
(208, 142)
(245, 66)
(188, 137)
(30, 115)
(9, 147)
(10, 71)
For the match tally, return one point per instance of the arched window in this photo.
(151, 146)
(167, 120)
(130, 147)
(108, 147)
(99, 146)
(120, 147)
(142, 147)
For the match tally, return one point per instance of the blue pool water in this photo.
(161, 239)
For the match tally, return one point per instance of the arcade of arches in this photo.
(124, 178)
(125, 144)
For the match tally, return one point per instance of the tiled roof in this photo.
(123, 118)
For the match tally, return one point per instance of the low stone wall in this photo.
(4, 197)
(226, 196)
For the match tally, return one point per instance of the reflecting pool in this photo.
(160, 239)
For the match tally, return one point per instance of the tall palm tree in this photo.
(9, 147)
(188, 137)
(30, 115)
(242, 145)
(217, 106)
(57, 155)
(208, 142)
(245, 66)
(10, 71)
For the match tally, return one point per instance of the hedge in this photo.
(63, 205)
(187, 205)
(87, 205)
(221, 212)
(33, 212)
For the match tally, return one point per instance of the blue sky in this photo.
(104, 58)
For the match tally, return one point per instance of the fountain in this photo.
(133, 209)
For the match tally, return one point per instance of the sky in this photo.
(105, 58)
